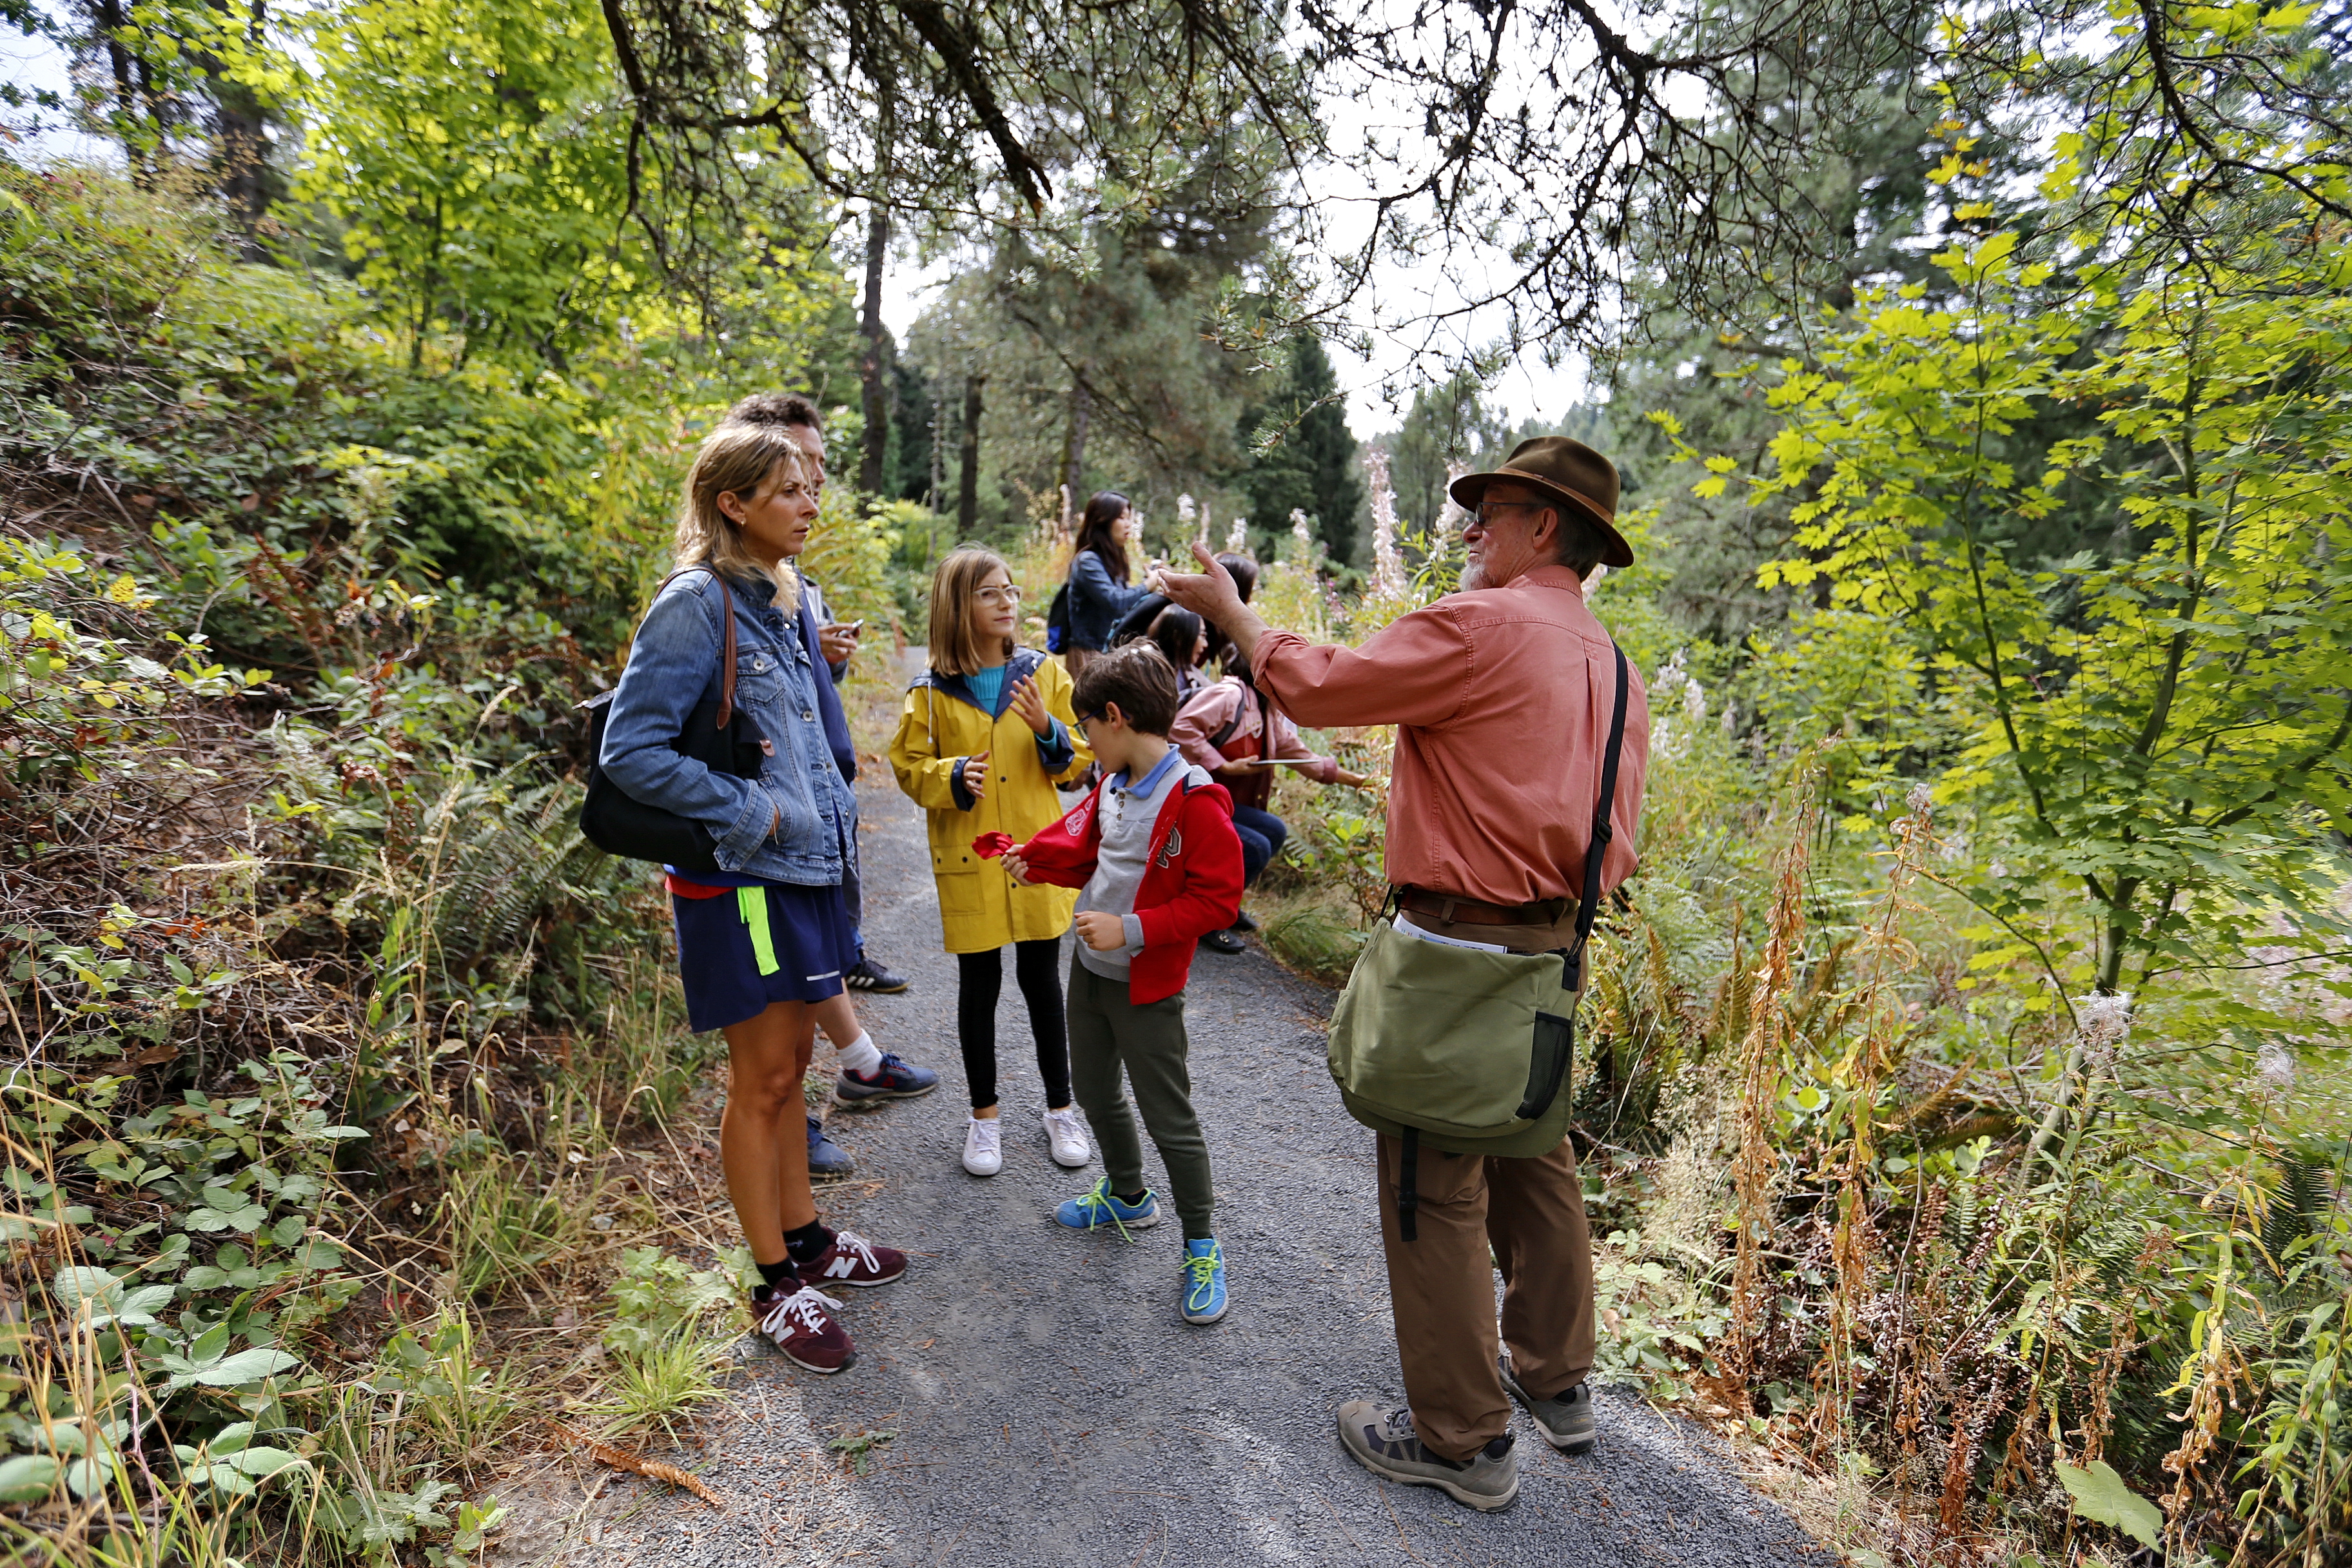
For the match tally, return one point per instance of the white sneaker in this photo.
(983, 1146)
(1068, 1138)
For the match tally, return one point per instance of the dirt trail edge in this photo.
(1045, 1404)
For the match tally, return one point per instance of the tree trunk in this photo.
(239, 152)
(875, 369)
(1074, 452)
(968, 483)
(932, 493)
(107, 15)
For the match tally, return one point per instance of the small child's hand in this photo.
(1031, 705)
(1015, 868)
(975, 774)
(1102, 931)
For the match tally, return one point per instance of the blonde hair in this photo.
(955, 644)
(741, 459)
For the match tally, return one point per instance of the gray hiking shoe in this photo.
(1566, 1422)
(1384, 1443)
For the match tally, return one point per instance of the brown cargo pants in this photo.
(1441, 1286)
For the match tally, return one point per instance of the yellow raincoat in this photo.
(940, 725)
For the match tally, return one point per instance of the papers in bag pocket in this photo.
(1405, 927)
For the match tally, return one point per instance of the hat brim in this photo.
(1471, 489)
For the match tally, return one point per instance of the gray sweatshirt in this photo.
(1128, 810)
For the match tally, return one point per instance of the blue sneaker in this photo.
(826, 1158)
(1100, 1206)
(1204, 1281)
(894, 1079)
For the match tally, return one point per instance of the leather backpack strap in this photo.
(1597, 847)
(727, 654)
(726, 639)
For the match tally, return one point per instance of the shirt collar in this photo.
(1141, 789)
(1550, 576)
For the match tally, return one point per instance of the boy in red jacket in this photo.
(1154, 847)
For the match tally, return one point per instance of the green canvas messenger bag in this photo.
(1468, 1051)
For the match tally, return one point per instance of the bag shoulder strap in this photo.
(1241, 711)
(726, 637)
(1597, 847)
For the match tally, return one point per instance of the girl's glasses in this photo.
(1005, 595)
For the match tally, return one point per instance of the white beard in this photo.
(1474, 577)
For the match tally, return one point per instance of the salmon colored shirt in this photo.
(1501, 697)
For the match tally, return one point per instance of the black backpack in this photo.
(716, 735)
(1057, 621)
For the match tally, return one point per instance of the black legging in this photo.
(1037, 970)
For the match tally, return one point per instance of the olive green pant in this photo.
(1109, 1034)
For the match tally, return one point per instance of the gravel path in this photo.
(1048, 1405)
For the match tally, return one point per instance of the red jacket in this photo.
(1192, 886)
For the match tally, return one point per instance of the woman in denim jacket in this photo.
(764, 940)
(1099, 594)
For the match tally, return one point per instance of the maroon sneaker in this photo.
(802, 1324)
(854, 1260)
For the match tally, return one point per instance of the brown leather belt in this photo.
(1454, 906)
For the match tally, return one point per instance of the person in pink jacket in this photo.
(1230, 729)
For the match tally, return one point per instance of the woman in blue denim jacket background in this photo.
(764, 940)
(1099, 593)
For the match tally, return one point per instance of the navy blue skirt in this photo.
(744, 948)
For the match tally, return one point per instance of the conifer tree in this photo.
(1306, 456)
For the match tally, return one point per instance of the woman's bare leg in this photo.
(763, 1134)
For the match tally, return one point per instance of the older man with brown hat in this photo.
(1513, 708)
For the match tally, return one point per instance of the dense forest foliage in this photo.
(1966, 1110)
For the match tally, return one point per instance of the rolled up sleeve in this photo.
(1415, 670)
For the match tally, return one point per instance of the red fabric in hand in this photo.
(989, 846)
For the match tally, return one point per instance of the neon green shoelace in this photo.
(1204, 1273)
(1098, 1197)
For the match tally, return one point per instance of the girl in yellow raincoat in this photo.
(985, 734)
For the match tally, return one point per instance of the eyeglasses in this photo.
(1095, 718)
(1005, 595)
(1482, 513)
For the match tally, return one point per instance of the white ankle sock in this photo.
(861, 1054)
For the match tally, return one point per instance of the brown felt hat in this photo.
(1569, 472)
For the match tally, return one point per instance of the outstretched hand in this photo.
(1211, 594)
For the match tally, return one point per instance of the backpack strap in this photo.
(726, 638)
(1241, 711)
(1586, 907)
(1408, 1192)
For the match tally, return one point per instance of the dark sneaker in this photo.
(801, 1324)
(1225, 941)
(867, 976)
(894, 1079)
(853, 1261)
(1565, 1422)
(1384, 1443)
(827, 1159)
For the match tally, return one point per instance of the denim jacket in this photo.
(1097, 602)
(672, 666)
